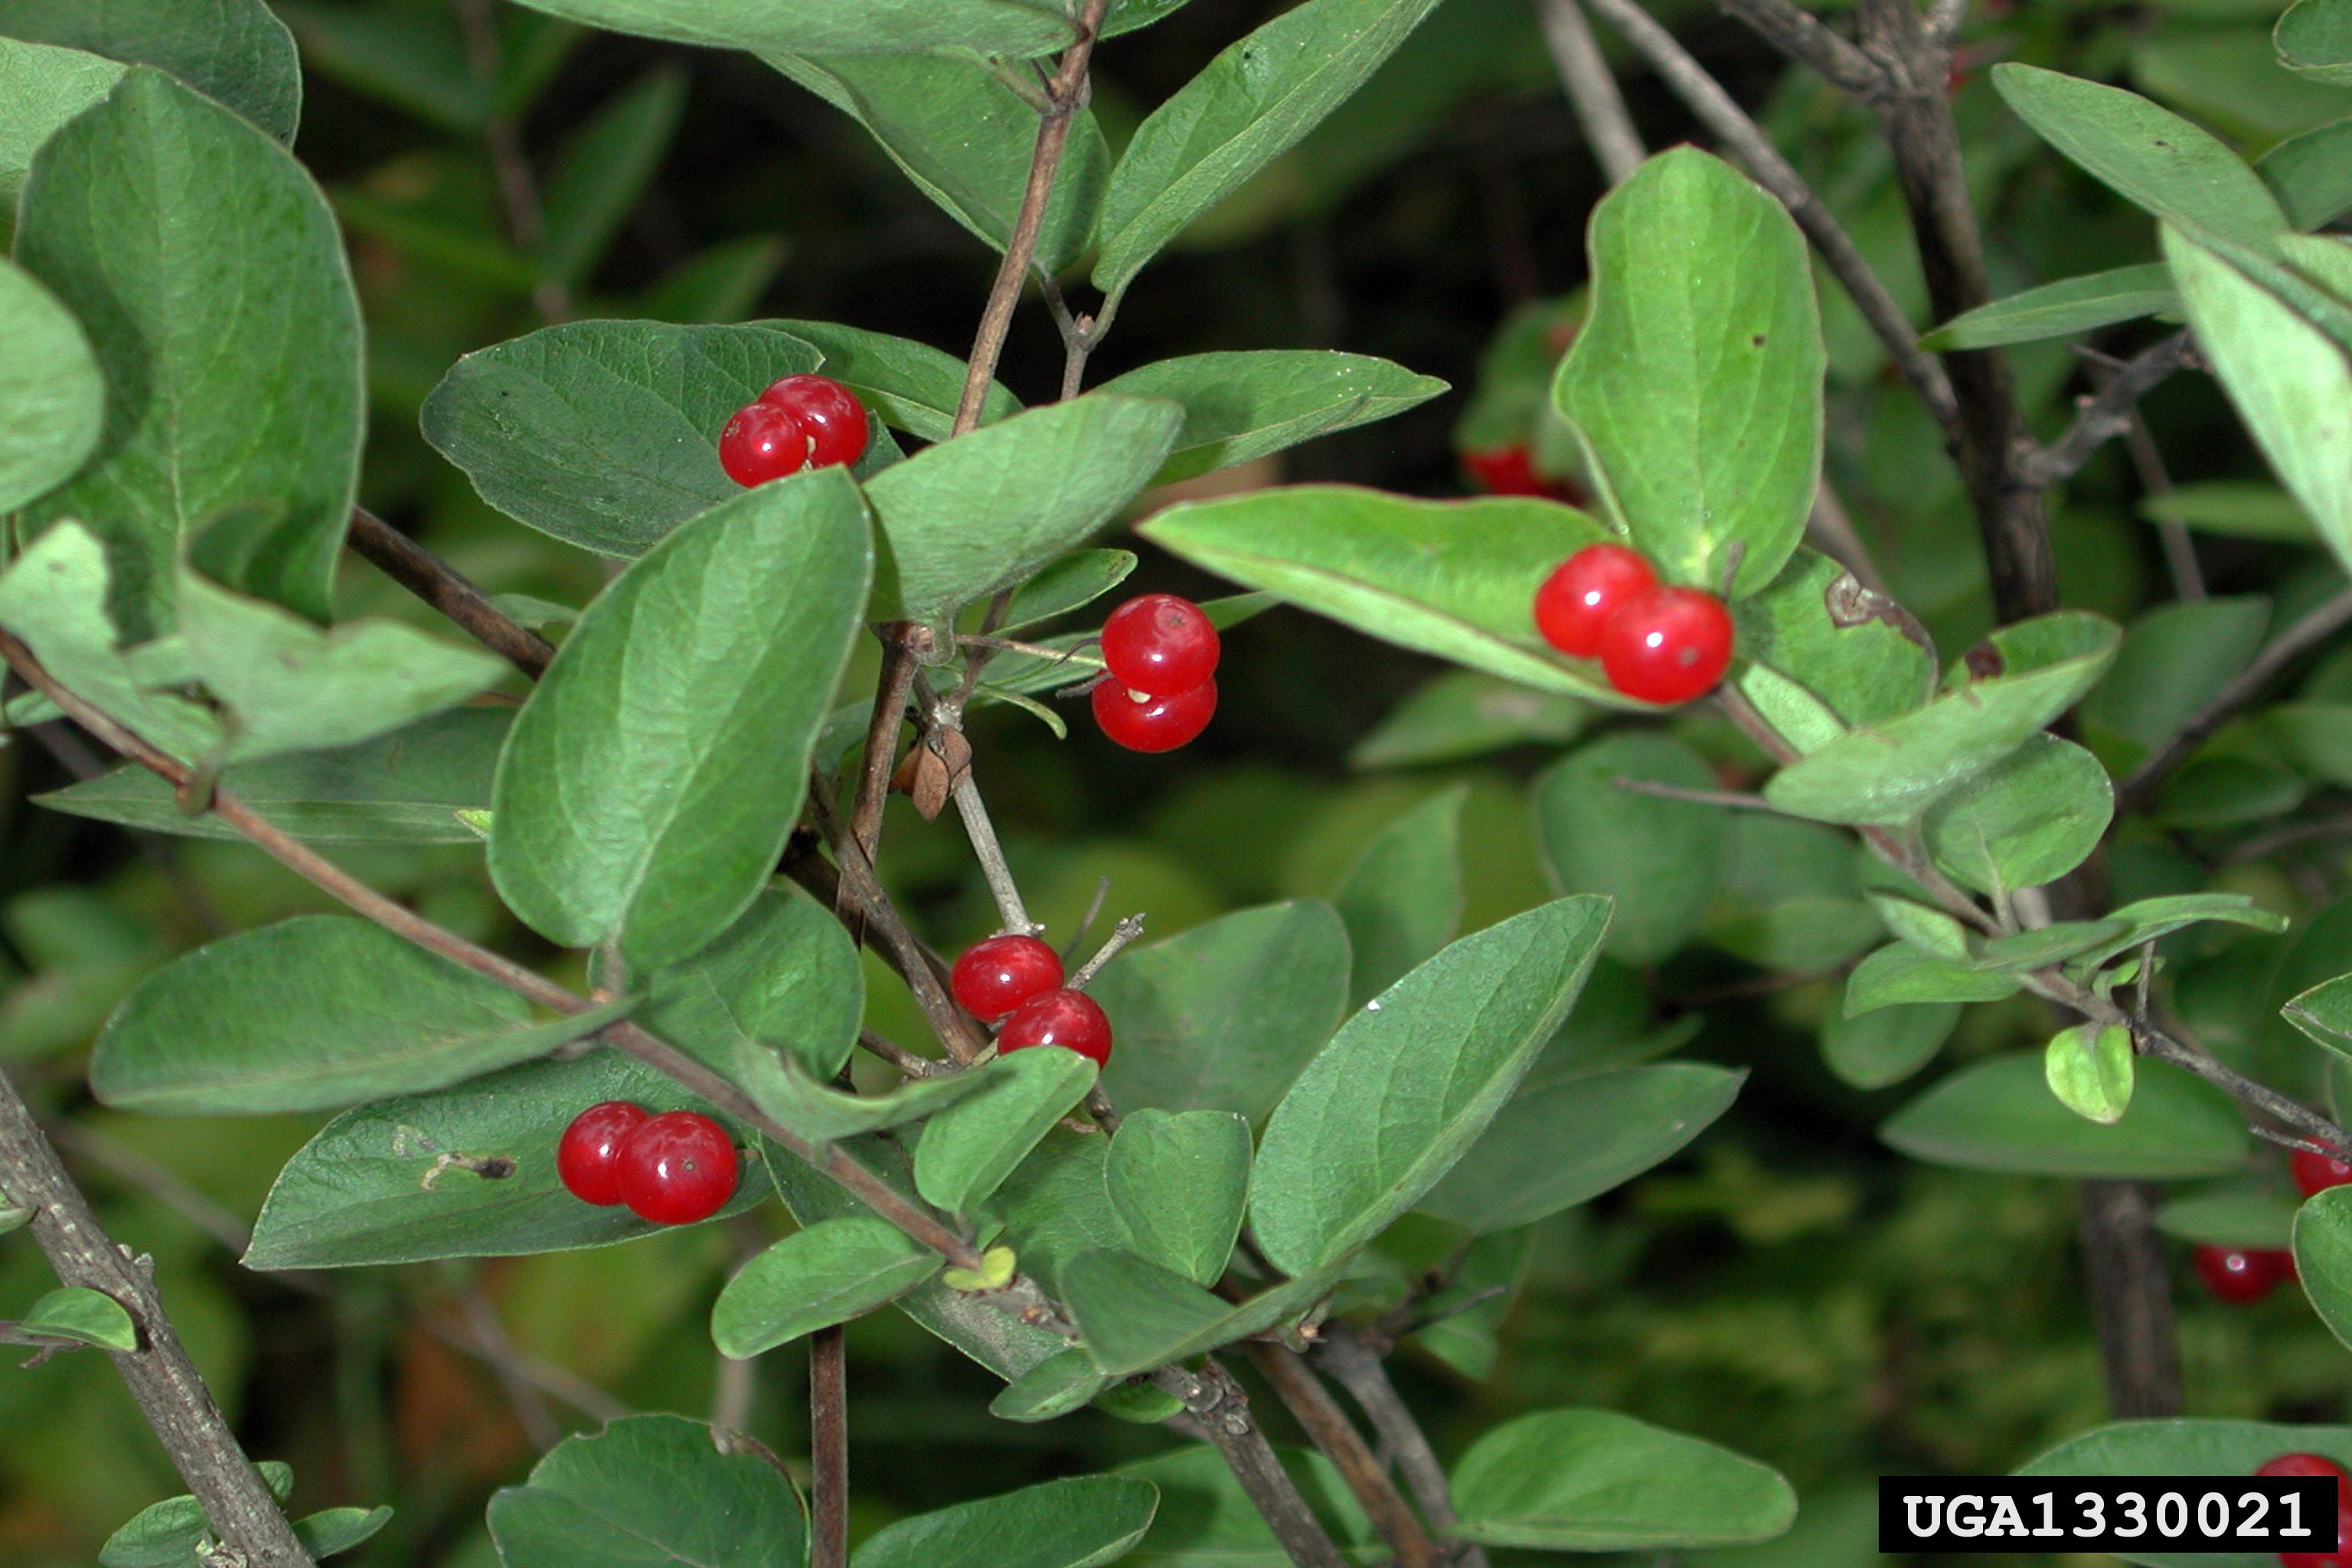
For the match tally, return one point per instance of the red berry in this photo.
(678, 1168)
(2302, 1465)
(583, 1158)
(995, 976)
(762, 442)
(1143, 723)
(1159, 645)
(2315, 1173)
(828, 412)
(2238, 1275)
(1669, 647)
(1505, 470)
(1585, 591)
(1070, 1019)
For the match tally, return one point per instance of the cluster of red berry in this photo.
(800, 422)
(2301, 1466)
(1161, 654)
(1018, 979)
(1656, 643)
(672, 1169)
(2242, 1275)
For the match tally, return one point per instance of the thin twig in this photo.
(907, 1062)
(1832, 527)
(2249, 683)
(1217, 1402)
(1731, 799)
(1357, 1367)
(1719, 112)
(502, 139)
(439, 584)
(1304, 1395)
(1125, 932)
(1592, 89)
(1802, 35)
(828, 1449)
(2108, 413)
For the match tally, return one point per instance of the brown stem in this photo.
(439, 584)
(1802, 35)
(1592, 89)
(828, 1449)
(237, 1503)
(1065, 93)
(1303, 1394)
(1221, 1410)
(1356, 1365)
(2121, 1253)
(2109, 411)
(510, 165)
(2249, 683)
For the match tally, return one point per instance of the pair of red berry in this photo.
(672, 1169)
(1161, 654)
(1656, 643)
(800, 422)
(2300, 1466)
(1019, 980)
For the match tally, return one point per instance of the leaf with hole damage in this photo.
(1696, 382)
(650, 781)
(720, 1502)
(1410, 1083)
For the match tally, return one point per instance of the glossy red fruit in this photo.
(1143, 723)
(2315, 1173)
(584, 1156)
(829, 414)
(995, 976)
(762, 442)
(1585, 592)
(1669, 647)
(1070, 1019)
(2299, 1465)
(1159, 645)
(678, 1168)
(2238, 1275)
(1505, 470)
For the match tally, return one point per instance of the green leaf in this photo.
(1452, 578)
(606, 434)
(2045, 946)
(1886, 1044)
(2315, 39)
(2291, 382)
(965, 139)
(1135, 1314)
(1569, 1141)
(84, 1316)
(1999, 1115)
(721, 284)
(2189, 1447)
(2149, 919)
(829, 1273)
(190, 302)
(1253, 104)
(2149, 157)
(1054, 1388)
(1696, 382)
(48, 383)
(334, 1530)
(2060, 310)
(2089, 1069)
(54, 598)
(1848, 648)
(911, 385)
(1592, 1480)
(1657, 859)
(1178, 1182)
(2242, 1212)
(2323, 1258)
(1460, 713)
(1930, 930)
(593, 1502)
(619, 813)
(1223, 1016)
(968, 1149)
(1891, 771)
(1078, 578)
(41, 88)
(1402, 900)
(2174, 660)
(289, 686)
(231, 50)
(2026, 821)
(2311, 175)
(463, 1172)
(1056, 1202)
(2323, 1013)
(166, 1534)
(1411, 1081)
(1206, 1521)
(1081, 1522)
(785, 977)
(604, 168)
(407, 787)
(312, 1013)
(2235, 508)
(1238, 406)
(1900, 975)
(967, 516)
(1014, 27)
(823, 1114)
